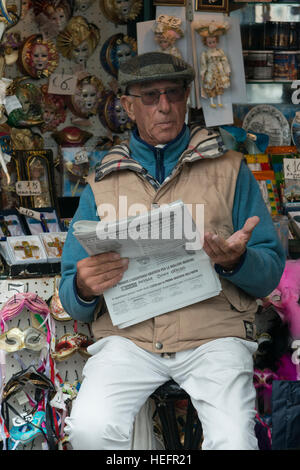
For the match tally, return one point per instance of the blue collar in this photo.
(159, 162)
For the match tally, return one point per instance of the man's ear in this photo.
(127, 104)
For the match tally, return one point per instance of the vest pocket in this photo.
(237, 298)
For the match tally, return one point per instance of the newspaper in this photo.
(168, 269)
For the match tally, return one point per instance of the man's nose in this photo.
(164, 103)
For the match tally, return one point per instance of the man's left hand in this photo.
(227, 253)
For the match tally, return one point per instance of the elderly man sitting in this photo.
(212, 342)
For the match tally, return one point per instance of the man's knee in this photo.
(98, 434)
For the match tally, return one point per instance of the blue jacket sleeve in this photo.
(262, 265)
(72, 253)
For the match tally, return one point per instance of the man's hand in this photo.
(227, 253)
(98, 273)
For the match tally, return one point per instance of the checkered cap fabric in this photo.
(153, 66)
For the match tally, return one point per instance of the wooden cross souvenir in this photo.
(27, 248)
(56, 244)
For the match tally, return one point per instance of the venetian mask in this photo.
(116, 50)
(9, 47)
(30, 98)
(53, 109)
(52, 16)
(38, 57)
(83, 5)
(121, 11)
(84, 102)
(78, 40)
(112, 114)
(25, 139)
(71, 136)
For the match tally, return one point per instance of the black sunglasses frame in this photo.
(156, 96)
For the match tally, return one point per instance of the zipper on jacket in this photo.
(160, 169)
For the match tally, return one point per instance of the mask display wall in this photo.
(116, 50)
(85, 101)
(38, 57)
(121, 11)
(78, 40)
(53, 55)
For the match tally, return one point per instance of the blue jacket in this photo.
(261, 266)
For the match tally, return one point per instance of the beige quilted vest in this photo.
(201, 181)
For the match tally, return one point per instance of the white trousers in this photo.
(120, 376)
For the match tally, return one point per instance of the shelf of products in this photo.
(270, 34)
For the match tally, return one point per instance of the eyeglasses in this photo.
(152, 96)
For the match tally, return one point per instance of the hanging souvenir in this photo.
(83, 5)
(53, 110)
(121, 11)
(38, 166)
(29, 98)
(78, 40)
(112, 115)
(167, 30)
(71, 136)
(214, 65)
(38, 57)
(9, 47)
(84, 103)
(52, 16)
(8, 18)
(116, 50)
(9, 198)
(25, 139)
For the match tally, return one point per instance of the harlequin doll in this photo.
(167, 30)
(84, 103)
(116, 50)
(78, 40)
(38, 57)
(52, 16)
(54, 110)
(214, 65)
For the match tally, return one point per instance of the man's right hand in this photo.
(98, 273)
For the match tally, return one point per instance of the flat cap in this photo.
(153, 66)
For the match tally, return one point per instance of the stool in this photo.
(164, 398)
